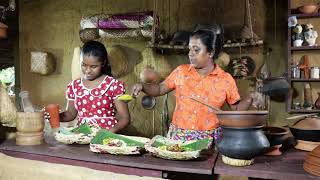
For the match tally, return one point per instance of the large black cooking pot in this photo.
(307, 129)
(306, 135)
(243, 143)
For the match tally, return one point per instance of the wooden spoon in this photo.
(208, 105)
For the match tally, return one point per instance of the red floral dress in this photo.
(96, 106)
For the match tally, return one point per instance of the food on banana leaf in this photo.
(82, 134)
(125, 97)
(84, 128)
(177, 150)
(108, 142)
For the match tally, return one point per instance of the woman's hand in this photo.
(258, 100)
(136, 89)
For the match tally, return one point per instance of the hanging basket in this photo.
(89, 34)
(42, 63)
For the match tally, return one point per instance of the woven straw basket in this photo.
(30, 127)
(89, 34)
(42, 63)
(7, 109)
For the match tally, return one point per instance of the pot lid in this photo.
(308, 124)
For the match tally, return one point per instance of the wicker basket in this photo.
(8, 110)
(131, 33)
(89, 34)
(42, 63)
(29, 128)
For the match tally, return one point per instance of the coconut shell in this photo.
(7, 109)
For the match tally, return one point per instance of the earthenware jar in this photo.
(243, 143)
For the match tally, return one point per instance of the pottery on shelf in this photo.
(3, 30)
(297, 43)
(309, 8)
(317, 103)
(242, 143)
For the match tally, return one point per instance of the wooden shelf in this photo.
(304, 48)
(302, 16)
(304, 111)
(305, 80)
(243, 44)
(227, 45)
(168, 46)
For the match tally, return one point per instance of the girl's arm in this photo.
(124, 116)
(70, 114)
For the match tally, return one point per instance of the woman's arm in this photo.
(70, 114)
(150, 89)
(124, 116)
(255, 99)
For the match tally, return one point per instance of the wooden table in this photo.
(79, 155)
(287, 166)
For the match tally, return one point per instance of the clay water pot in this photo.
(242, 119)
(242, 143)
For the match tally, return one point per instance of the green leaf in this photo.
(103, 134)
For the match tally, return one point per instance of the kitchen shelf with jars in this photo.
(303, 54)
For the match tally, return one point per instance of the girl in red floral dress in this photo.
(93, 98)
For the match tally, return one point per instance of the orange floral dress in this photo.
(215, 89)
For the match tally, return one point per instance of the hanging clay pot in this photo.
(3, 30)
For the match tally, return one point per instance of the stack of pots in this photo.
(242, 136)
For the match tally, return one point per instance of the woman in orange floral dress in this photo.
(203, 80)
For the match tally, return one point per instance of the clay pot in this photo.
(275, 136)
(307, 129)
(242, 118)
(312, 162)
(242, 143)
(317, 103)
(309, 9)
(3, 30)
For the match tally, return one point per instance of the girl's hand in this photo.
(136, 89)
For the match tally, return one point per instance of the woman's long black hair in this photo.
(212, 38)
(97, 49)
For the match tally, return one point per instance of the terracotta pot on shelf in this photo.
(3, 30)
(309, 8)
